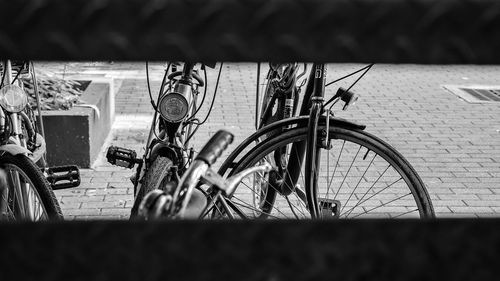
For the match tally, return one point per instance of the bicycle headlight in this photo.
(348, 97)
(13, 99)
(173, 107)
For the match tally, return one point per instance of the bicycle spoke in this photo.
(365, 212)
(327, 170)
(334, 169)
(36, 208)
(272, 205)
(368, 190)
(218, 209)
(291, 208)
(29, 200)
(347, 173)
(9, 209)
(362, 175)
(290, 178)
(22, 198)
(303, 204)
(356, 187)
(246, 205)
(16, 185)
(302, 174)
(375, 194)
(252, 189)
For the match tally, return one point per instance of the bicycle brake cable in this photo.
(349, 75)
(303, 72)
(149, 88)
(202, 100)
(159, 95)
(215, 94)
(335, 99)
(366, 69)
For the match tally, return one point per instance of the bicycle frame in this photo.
(17, 144)
(311, 113)
(314, 95)
(289, 91)
(170, 145)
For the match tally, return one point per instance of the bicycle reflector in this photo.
(348, 97)
(13, 99)
(173, 107)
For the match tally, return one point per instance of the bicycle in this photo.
(184, 202)
(168, 153)
(383, 183)
(26, 192)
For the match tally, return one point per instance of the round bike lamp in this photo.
(349, 98)
(13, 99)
(173, 107)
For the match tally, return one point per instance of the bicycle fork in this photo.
(315, 92)
(313, 157)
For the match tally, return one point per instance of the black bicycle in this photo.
(26, 191)
(324, 167)
(168, 152)
(187, 200)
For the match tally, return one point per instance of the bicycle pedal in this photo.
(122, 157)
(329, 208)
(63, 177)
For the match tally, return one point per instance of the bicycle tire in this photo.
(41, 187)
(277, 113)
(360, 138)
(278, 107)
(152, 180)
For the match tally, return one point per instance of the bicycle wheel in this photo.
(276, 112)
(156, 177)
(28, 195)
(360, 176)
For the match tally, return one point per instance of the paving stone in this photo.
(470, 209)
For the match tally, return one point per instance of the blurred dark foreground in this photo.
(458, 249)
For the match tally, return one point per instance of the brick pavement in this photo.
(454, 145)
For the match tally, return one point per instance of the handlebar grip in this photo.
(196, 77)
(215, 146)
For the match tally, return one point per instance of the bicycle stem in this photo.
(313, 156)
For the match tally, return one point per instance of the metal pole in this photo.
(257, 98)
(39, 111)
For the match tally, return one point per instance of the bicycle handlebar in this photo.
(157, 203)
(207, 156)
(195, 75)
(215, 146)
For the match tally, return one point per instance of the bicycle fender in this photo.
(13, 149)
(299, 121)
(164, 150)
(341, 122)
(303, 120)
